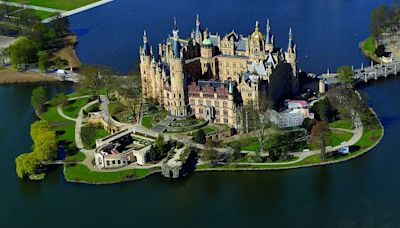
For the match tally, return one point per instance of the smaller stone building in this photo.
(121, 149)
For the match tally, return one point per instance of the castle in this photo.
(210, 76)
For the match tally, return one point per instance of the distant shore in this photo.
(9, 76)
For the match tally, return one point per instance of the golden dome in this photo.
(257, 35)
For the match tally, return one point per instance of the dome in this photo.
(207, 42)
(257, 35)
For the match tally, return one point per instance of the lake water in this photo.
(358, 193)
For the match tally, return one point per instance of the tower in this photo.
(206, 53)
(291, 58)
(269, 39)
(145, 68)
(257, 44)
(178, 80)
(198, 33)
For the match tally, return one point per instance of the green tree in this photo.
(4, 54)
(159, 144)
(44, 149)
(41, 36)
(345, 74)
(379, 17)
(209, 154)
(59, 99)
(60, 25)
(380, 51)
(38, 99)
(22, 52)
(200, 137)
(46, 146)
(44, 61)
(324, 110)
(26, 164)
(320, 135)
(60, 63)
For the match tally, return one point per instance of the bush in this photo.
(200, 137)
(380, 51)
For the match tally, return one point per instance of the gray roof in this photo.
(214, 40)
(241, 45)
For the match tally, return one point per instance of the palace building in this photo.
(210, 76)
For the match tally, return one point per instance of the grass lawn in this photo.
(210, 130)
(66, 133)
(369, 137)
(76, 158)
(44, 14)
(77, 94)
(344, 124)
(93, 108)
(337, 137)
(112, 107)
(80, 172)
(147, 122)
(57, 4)
(368, 45)
(51, 115)
(101, 133)
(72, 108)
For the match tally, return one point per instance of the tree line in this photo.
(36, 45)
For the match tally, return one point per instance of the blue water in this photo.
(363, 192)
(327, 32)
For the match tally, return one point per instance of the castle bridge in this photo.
(364, 74)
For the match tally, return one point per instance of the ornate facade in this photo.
(210, 76)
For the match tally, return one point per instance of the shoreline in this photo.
(79, 10)
(289, 167)
(367, 54)
(10, 76)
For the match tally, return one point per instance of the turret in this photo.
(269, 39)
(178, 80)
(146, 47)
(291, 45)
(176, 47)
(198, 33)
(291, 58)
(145, 68)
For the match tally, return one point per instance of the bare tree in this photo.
(319, 135)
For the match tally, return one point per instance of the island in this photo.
(204, 103)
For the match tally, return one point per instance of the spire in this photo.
(290, 46)
(144, 37)
(257, 29)
(175, 27)
(146, 47)
(268, 35)
(176, 45)
(197, 21)
(197, 34)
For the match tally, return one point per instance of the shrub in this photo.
(200, 137)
